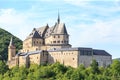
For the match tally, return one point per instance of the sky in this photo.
(90, 23)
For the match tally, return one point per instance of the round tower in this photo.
(11, 50)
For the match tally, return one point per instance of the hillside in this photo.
(4, 42)
(117, 59)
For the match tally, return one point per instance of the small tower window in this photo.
(73, 58)
(58, 36)
(54, 36)
(66, 36)
(64, 41)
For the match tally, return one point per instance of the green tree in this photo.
(115, 69)
(3, 67)
(94, 67)
(4, 42)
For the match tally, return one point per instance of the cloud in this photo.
(98, 33)
(14, 22)
(21, 23)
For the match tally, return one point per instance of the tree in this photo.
(4, 43)
(94, 67)
(3, 67)
(115, 68)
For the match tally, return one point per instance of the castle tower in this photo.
(59, 37)
(33, 42)
(11, 50)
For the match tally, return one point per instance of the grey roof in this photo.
(95, 52)
(34, 34)
(42, 30)
(100, 52)
(29, 53)
(49, 31)
(69, 49)
(60, 28)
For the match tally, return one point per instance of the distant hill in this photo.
(117, 59)
(5, 37)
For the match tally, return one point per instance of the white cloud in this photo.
(14, 22)
(98, 33)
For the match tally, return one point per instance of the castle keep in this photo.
(51, 44)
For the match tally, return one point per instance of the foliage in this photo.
(94, 67)
(58, 71)
(3, 67)
(4, 42)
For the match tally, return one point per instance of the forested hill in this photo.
(5, 37)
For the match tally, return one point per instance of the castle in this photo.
(51, 44)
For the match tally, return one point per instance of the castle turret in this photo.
(58, 36)
(33, 42)
(11, 50)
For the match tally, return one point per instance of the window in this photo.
(58, 36)
(61, 41)
(89, 53)
(58, 41)
(64, 41)
(36, 49)
(54, 36)
(54, 41)
(73, 58)
(66, 36)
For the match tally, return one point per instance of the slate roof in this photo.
(49, 31)
(34, 34)
(95, 51)
(100, 52)
(60, 28)
(42, 30)
(11, 42)
(69, 49)
(29, 53)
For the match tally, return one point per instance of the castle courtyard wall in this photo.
(68, 58)
(103, 60)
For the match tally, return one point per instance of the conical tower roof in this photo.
(59, 28)
(11, 42)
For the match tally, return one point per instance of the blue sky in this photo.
(94, 24)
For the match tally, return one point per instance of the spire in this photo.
(58, 18)
(11, 42)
